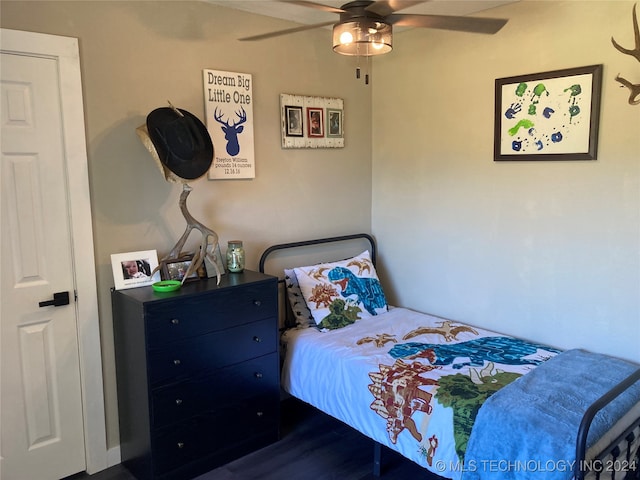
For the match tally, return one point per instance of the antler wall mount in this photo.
(634, 89)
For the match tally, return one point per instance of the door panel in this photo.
(41, 416)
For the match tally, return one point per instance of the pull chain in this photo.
(367, 67)
(366, 77)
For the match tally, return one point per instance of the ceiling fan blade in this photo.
(444, 22)
(317, 6)
(285, 32)
(387, 7)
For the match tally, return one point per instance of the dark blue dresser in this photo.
(197, 374)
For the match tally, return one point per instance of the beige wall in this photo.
(137, 55)
(546, 250)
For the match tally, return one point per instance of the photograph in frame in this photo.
(315, 122)
(133, 269)
(294, 121)
(548, 116)
(334, 123)
(176, 269)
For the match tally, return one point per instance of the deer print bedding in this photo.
(410, 381)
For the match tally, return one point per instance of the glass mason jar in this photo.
(235, 256)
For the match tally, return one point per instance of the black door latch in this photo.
(59, 299)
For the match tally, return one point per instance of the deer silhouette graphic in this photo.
(231, 132)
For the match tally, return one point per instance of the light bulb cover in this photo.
(362, 37)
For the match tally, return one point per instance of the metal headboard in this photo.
(288, 315)
(318, 241)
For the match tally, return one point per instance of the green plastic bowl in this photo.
(167, 286)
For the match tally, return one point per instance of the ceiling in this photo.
(307, 16)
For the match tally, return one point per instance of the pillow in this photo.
(339, 293)
(301, 312)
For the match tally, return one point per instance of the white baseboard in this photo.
(113, 456)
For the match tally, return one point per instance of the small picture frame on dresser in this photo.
(133, 269)
(177, 269)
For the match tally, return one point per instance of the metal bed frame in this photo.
(618, 457)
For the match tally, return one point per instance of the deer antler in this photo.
(636, 51)
(634, 97)
(242, 116)
(218, 118)
(207, 234)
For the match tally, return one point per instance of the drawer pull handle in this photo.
(177, 361)
(257, 303)
(259, 414)
(175, 321)
(180, 444)
(178, 401)
(257, 339)
(258, 375)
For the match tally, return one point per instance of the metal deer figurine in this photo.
(634, 97)
(231, 131)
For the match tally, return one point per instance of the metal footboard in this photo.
(621, 458)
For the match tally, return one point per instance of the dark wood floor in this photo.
(313, 446)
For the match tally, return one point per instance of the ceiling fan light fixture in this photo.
(377, 45)
(346, 38)
(362, 37)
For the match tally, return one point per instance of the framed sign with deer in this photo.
(229, 118)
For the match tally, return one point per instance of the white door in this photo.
(41, 398)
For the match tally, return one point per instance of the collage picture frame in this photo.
(311, 122)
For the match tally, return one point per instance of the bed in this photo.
(464, 402)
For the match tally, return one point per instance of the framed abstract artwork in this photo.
(548, 116)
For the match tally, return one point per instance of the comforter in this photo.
(410, 381)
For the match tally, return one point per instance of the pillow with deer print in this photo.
(340, 293)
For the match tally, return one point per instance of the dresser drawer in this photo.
(167, 322)
(212, 351)
(257, 378)
(214, 432)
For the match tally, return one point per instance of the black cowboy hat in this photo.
(181, 141)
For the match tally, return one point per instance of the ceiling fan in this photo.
(365, 27)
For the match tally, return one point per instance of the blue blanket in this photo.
(528, 429)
